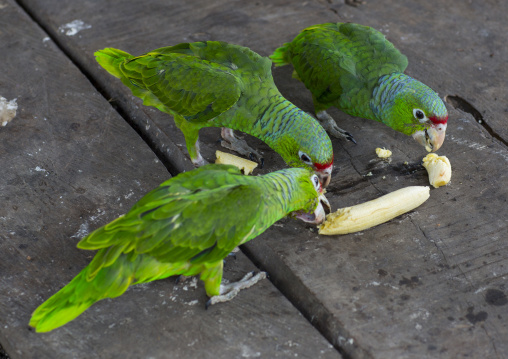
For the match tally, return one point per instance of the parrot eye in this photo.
(419, 115)
(304, 157)
(315, 182)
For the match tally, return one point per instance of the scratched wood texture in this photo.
(69, 164)
(431, 283)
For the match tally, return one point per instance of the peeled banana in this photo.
(244, 165)
(369, 214)
(439, 169)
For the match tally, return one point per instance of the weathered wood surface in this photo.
(428, 284)
(69, 163)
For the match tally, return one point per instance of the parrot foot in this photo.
(231, 142)
(233, 252)
(195, 155)
(331, 127)
(229, 291)
(181, 279)
(199, 161)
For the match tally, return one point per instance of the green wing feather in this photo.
(213, 83)
(180, 219)
(185, 226)
(336, 58)
(176, 79)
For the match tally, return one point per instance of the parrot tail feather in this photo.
(80, 294)
(97, 282)
(62, 307)
(280, 56)
(110, 59)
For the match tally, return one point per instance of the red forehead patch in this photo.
(320, 167)
(437, 120)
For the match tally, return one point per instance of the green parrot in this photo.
(216, 84)
(186, 226)
(355, 69)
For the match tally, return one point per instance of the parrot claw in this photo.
(231, 142)
(331, 127)
(229, 291)
(180, 279)
(350, 137)
(254, 157)
(233, 252)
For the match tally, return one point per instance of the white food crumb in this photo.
(74, 27)
(82, 231)
(7, 110)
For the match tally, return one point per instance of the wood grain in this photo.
(69, 164)
(431, 283)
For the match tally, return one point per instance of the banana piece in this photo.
(369, 214)
(439, 169)
(383, 153)
(244, 165)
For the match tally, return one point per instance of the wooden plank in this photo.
(462, 53)
(430, 283)
(70, 164)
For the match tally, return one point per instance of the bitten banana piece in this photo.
(369, 214)
(244, 165)
(439, 169)
(383, 152)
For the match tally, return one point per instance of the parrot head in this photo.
(322, 170)
(313, 202)
(307, 145)
(418, 111)
(433, 134)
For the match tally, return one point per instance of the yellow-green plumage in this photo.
(185, 226)
(356, 69)
(215, 84)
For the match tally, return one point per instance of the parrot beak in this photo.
(325, 175)
(323, 201)
(319, 214)
(431, 138)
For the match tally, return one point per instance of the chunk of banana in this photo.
(439, 169)
(244, 165)
(383, 152)
(369, 214)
